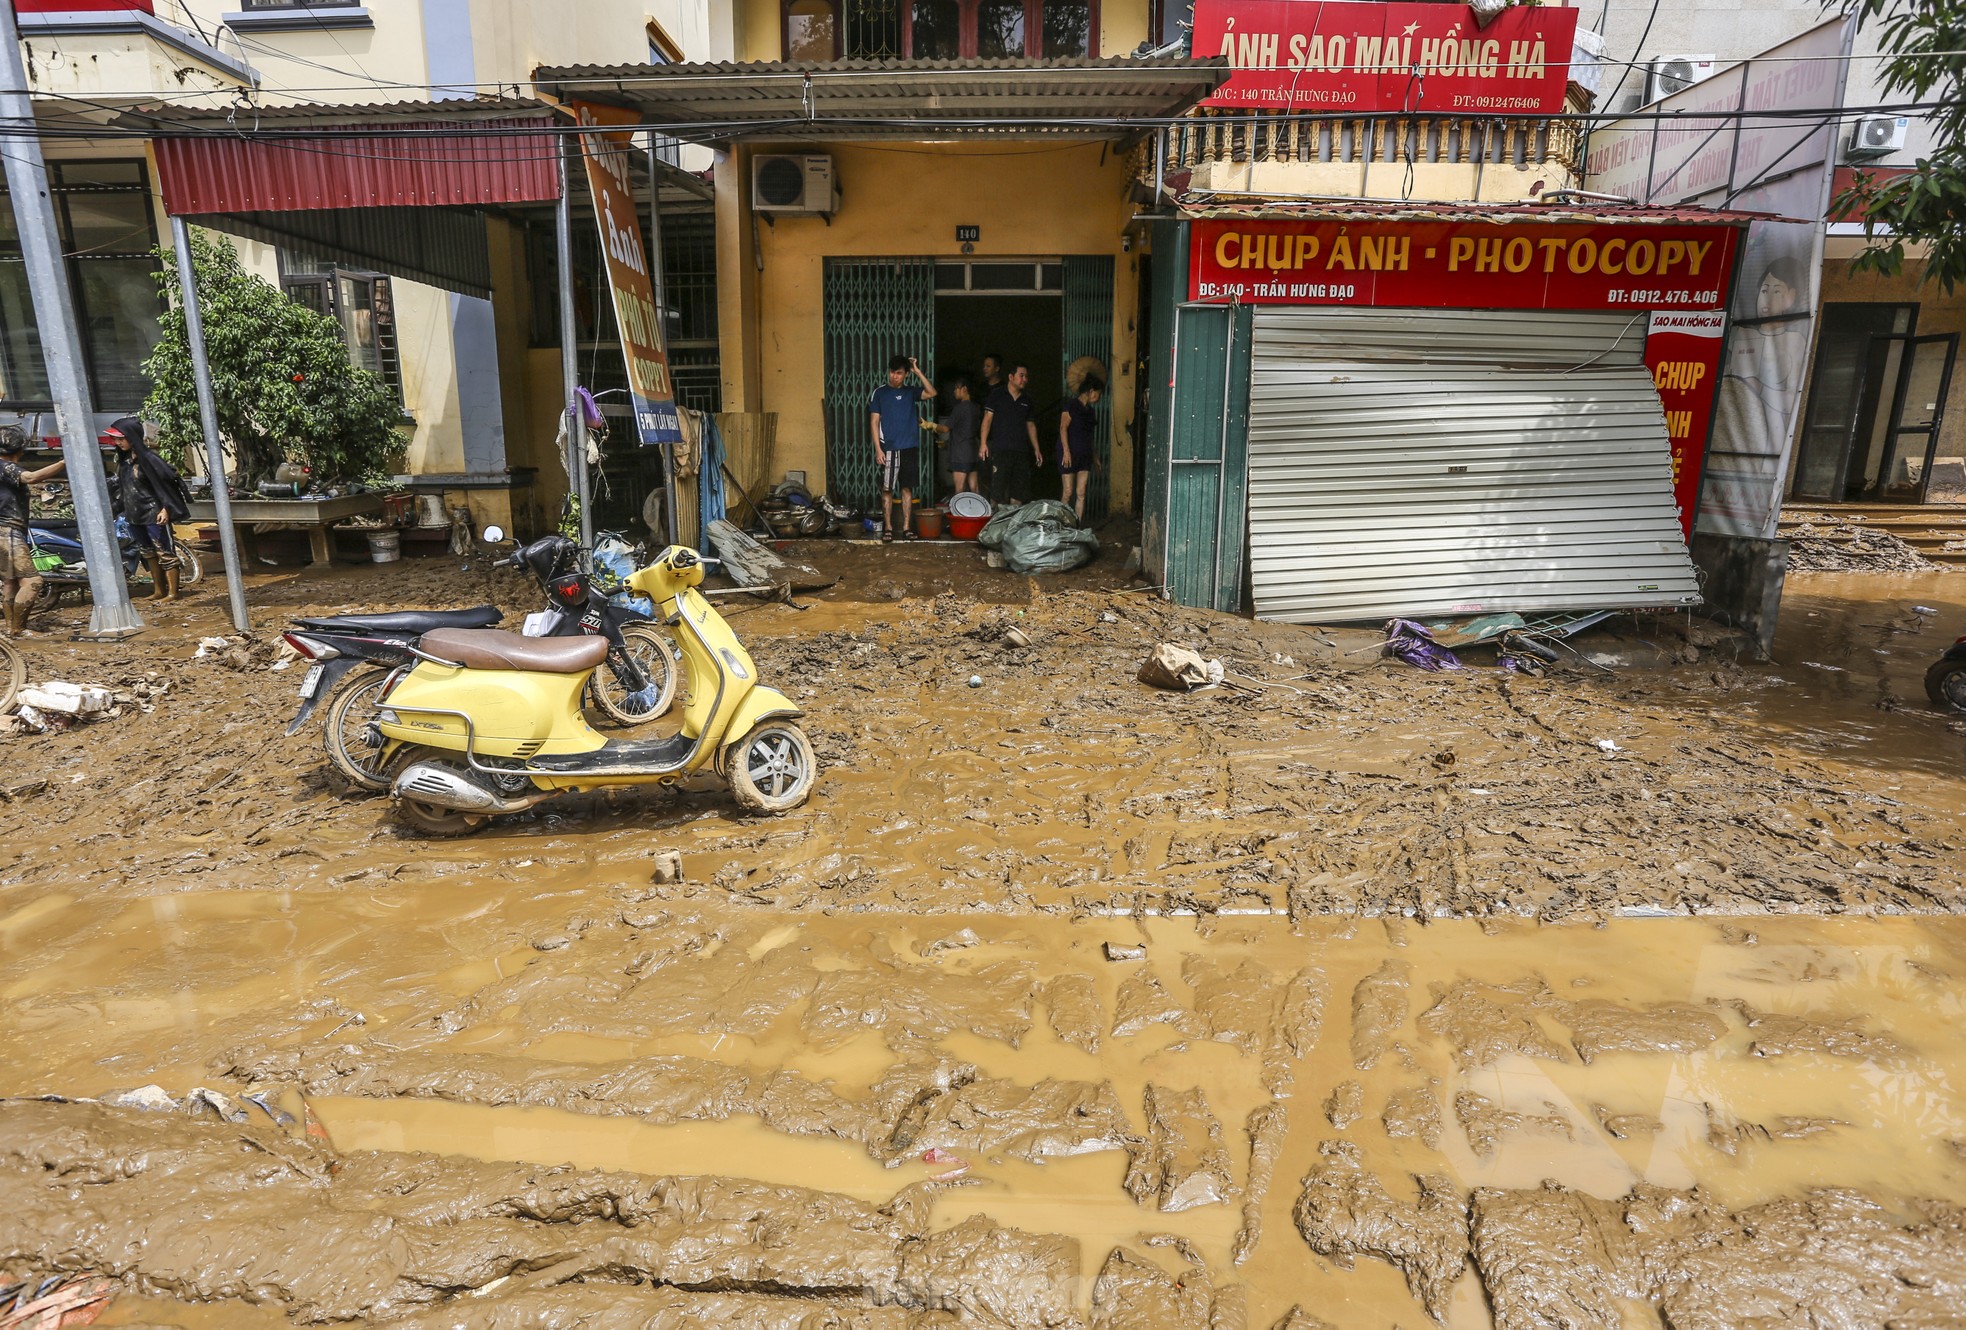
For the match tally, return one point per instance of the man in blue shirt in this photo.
(898, 439)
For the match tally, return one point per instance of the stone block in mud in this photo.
(1072, 1004)
(1378, 1012)
(1143, 1000)
(1346, 1212)
(1598, 1027)
(993, 1276)
(1481, 1029)
(1180, 1163)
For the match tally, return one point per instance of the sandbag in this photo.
(1040, 537)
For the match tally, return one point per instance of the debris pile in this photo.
(1843, 547)
(57, 705)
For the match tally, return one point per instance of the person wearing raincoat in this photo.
(151, 495)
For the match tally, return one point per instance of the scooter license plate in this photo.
(311, 681)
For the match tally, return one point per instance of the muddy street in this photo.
(1345, 995)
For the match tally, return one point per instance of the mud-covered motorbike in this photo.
(489, 722)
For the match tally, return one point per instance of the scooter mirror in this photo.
(494, 534)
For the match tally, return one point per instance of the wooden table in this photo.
(317, 515)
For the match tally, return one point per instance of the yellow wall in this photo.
(1032, 200)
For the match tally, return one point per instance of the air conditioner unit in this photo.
(793, 182)
(1669, 73)
(1877, 136)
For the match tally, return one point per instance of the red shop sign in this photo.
(1310, 55)
(1683, 353)
(1461, 265)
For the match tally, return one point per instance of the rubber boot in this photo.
(156, 566)
(16, 619)
(171, 578)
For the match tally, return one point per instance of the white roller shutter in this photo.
(1457, 462)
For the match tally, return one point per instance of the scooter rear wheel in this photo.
(359, 761)
(1945, 684)
(772, 769)
(427, 818)
(13, 674)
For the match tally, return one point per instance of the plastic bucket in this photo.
(966, 528)
(928, 523)
(385, 546)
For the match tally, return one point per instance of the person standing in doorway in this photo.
(20, 582)
(964, 428)
(151, 495)
(992, 380)
(898, 440)
(1076, 458)
(1010, 438)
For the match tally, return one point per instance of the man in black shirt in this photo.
(1010, 439)
(19, 582)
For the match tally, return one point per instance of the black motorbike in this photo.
(1945, 680)
(637, 682)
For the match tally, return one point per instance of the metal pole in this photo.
(61, 349)
(569, 348)
(201, 375)
(660, 282)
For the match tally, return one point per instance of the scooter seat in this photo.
(411, 622)
(496, 649)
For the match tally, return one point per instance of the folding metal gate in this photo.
(1420, 462)
(1207, 457)
(874, 310)
(1088, 331)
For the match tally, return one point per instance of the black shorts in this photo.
(902, 471)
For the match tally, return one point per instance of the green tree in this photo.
(282, 382)
(1922, 41)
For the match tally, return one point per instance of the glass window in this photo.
(1067, 27)
(1003, 276)
(107, 223)
(23, 375)
(117, 306)
(937, 32)
(812, 29)
(999, 29)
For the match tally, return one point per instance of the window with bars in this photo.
(817, 30)
(107, 232)
(363, 303)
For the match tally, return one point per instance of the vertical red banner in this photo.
(1683, 352)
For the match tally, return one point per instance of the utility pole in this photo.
(570, 347)
(201, 375)
(61, 348)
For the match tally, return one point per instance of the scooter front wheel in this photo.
(427, 818)
(1945, 684)
(772, 769)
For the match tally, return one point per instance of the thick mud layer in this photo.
(1350, 996)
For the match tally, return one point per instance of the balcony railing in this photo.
(1448, 157)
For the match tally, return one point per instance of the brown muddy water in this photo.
(1354, 996)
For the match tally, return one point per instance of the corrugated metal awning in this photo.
(845, 99)
(470, 152)
(1465, 462)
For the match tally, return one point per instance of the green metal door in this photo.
(875, 309)
(1088, 331)
(1208, 457)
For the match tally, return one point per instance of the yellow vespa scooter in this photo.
(489, 722)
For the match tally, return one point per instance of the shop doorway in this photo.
(1876, 405)
(1010, 309)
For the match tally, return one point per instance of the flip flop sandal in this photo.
(887, 537)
